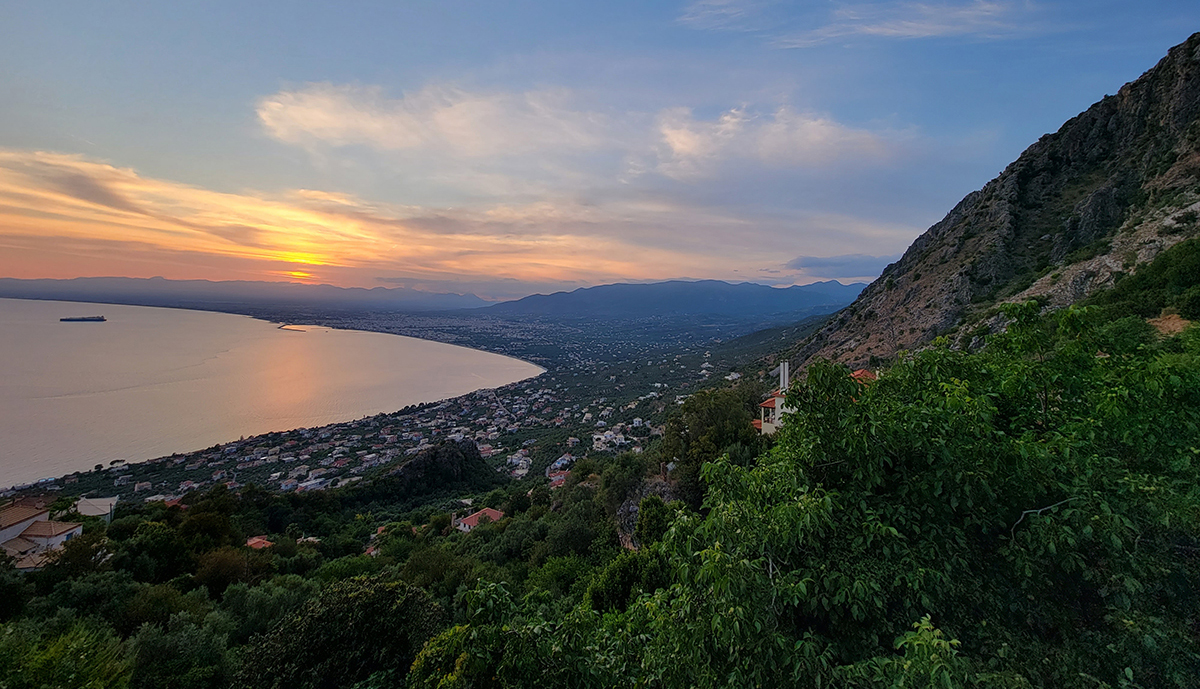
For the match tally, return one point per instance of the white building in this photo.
(27, 534)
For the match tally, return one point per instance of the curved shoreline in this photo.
(132, 457)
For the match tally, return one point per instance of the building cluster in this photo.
(30, 535)
(519, 428)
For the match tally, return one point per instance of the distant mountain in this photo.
(233, 295)
(1108, 192)
(682, 298)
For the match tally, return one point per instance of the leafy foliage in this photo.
(1037, 499)
(354, 629)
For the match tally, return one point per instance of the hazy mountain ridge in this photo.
(1128, 166)
(679, 297)
(622, 300)
(159, 291)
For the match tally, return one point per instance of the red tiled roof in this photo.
(18, 546)
(258, 542)
(48, 529)
(769, 404)
(757, 423)
(15, 514)
(471, 521)
(862, 375)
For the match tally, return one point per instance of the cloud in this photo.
(436, 118)
(915, 20)
(783, 138)
(528, 145)
(844, 266)
(109, 220)
(723, 14)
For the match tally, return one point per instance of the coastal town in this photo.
(530, 429)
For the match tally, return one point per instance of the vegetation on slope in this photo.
(1037, 504)
(1024, 516)
(1171, 281)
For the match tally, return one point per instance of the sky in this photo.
(511, 148)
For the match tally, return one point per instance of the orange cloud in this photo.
(67, 214)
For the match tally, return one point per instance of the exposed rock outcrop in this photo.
(1085, 202)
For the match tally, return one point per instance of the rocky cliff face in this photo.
(1103, 192)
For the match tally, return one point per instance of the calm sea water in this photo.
(150, 382)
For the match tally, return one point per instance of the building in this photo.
(472, 520)
(97, 507)
(28, 535)
(772, 410)
(558, 478)
(864, 376)
(258, 542)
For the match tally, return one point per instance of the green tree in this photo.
(181, 655)
(83, 656)
(355, 629)
(653, 520)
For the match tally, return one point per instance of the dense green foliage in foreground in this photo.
(1037, 503)
(1027, 516)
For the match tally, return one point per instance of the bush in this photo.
(355, 629)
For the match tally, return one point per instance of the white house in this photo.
(27, 534)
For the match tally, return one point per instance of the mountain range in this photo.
(1108, 192)
(667, 299)
(683, 298)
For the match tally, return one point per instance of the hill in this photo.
(683, 298)
(232, 295)
(1107, 193)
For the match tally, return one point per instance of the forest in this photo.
(1026, 515)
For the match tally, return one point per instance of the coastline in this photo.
(290, 326)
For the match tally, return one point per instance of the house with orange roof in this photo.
(558, 478)
(772, 410)
(864, 376)
(472, 520)
(258, 542)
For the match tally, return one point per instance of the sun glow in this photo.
(65, 214)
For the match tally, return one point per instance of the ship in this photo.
(84, 319)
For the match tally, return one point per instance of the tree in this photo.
(183, 655)
(83, 655)
(355, 629)
(708, 423)
(653, 520)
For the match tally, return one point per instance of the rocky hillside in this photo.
(1106, 193)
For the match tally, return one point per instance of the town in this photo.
(530, 429)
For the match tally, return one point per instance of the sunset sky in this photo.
(517, 147)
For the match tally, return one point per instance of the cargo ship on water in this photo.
(84, 319)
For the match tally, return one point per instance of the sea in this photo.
(149, 382)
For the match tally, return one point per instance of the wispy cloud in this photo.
(990, 19)
(737, 15)
(532, 144)
(912, 20)
(915, 20)
(445, 119)
(783, 138)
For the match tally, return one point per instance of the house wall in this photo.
(55, 542)
(15, 530)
